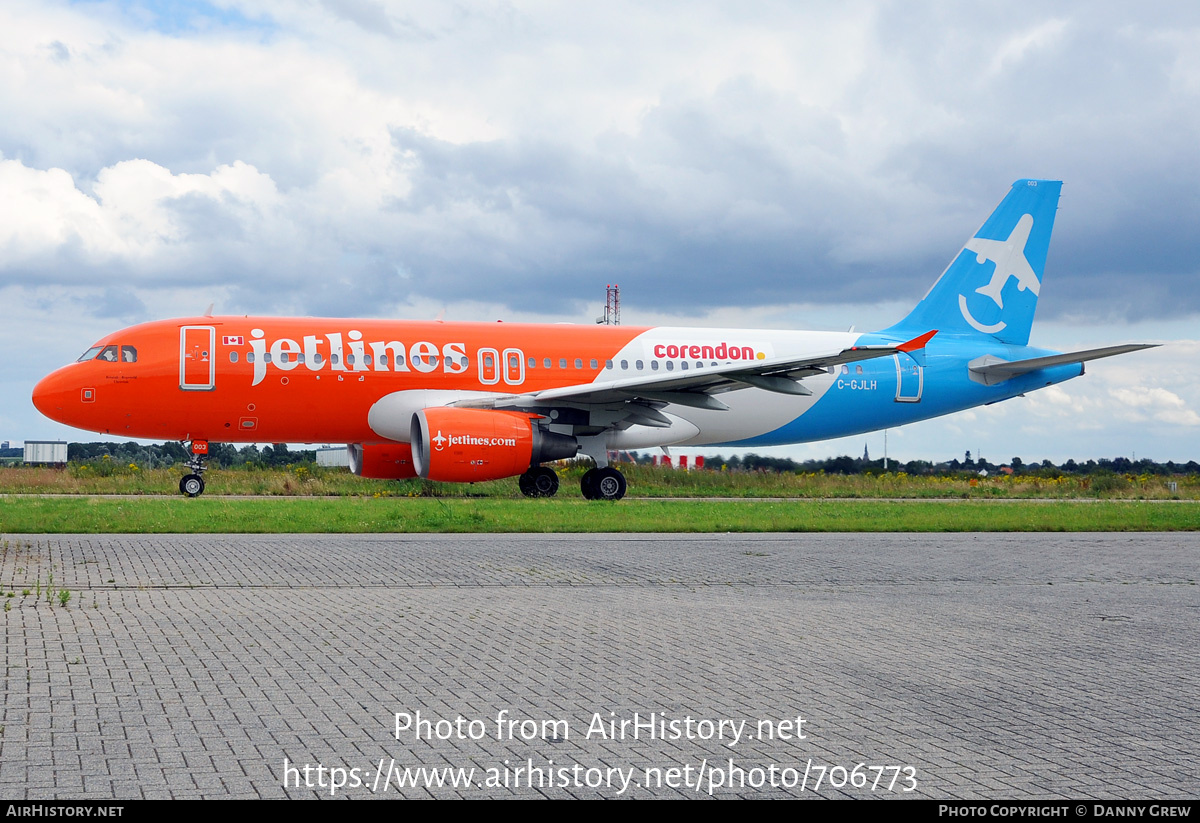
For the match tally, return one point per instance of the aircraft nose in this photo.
(50, 395)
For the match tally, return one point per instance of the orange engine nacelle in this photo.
(382, 461)
(470, 445)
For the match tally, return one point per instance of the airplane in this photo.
(467, 402)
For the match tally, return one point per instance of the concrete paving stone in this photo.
(997, 666)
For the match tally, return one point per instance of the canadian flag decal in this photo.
(233, 340)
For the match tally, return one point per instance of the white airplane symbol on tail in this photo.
(1009, 257)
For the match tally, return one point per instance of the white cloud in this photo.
(1042, 36)
(802, 165)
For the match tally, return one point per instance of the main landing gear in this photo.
(603, 484)
(597, 484)
(193, 484)
(539, 481)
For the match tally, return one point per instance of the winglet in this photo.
(917, 342)
(915, 348)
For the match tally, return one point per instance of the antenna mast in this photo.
(612, 306)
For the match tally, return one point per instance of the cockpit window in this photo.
(128, 354)
(89, 354)
(108, 354)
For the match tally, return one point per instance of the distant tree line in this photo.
(221, 455)
(227, 455)
(1017, 466)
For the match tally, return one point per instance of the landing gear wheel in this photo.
(587, 484)
(603, 484)
(192, 485)
(538, 482)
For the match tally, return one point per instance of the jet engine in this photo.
(470, 445)
(382, 461)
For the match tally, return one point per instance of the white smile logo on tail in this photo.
(1010, 260)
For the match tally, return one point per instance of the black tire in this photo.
(587, 484)
(192, 485)
(545, 481)
(525, 484)
(610, 484)
(539, 482)
(603, 484)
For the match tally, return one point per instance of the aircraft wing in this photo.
(698, 387)
(991, 370)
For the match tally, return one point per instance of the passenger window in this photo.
(350, 360)
(654, 365)
(638, 365)
(594, 363)
(533, 362)
(683, 365)
(608, 364)
(578, 363)
(562, 362)
(858, 369)
(109, 354)
(267, 357)
(249, 357)
(284, 357)
(317, 358)
(128, 354)
(670, 365)
(333, 358)
(383, 359)
(624, 365)
(366, 359)
(300, 357)
(233, 357)
(546, 362)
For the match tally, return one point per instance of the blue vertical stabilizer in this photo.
(991, 287)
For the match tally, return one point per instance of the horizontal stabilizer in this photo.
(991, 370)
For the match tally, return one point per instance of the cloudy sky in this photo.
(790, 165)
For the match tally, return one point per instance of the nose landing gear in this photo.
(192, 484)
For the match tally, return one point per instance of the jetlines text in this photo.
(350, 353)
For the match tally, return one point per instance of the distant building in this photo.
(46, 452)
(333, 457)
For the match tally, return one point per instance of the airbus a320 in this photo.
(467, 402)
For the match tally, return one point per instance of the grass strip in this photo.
(87, 515)
(100, 477)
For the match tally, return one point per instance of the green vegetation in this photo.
(30, 556)
(105, 475)
(357, 515)
(303, 497)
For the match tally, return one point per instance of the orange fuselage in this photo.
(306, 380)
